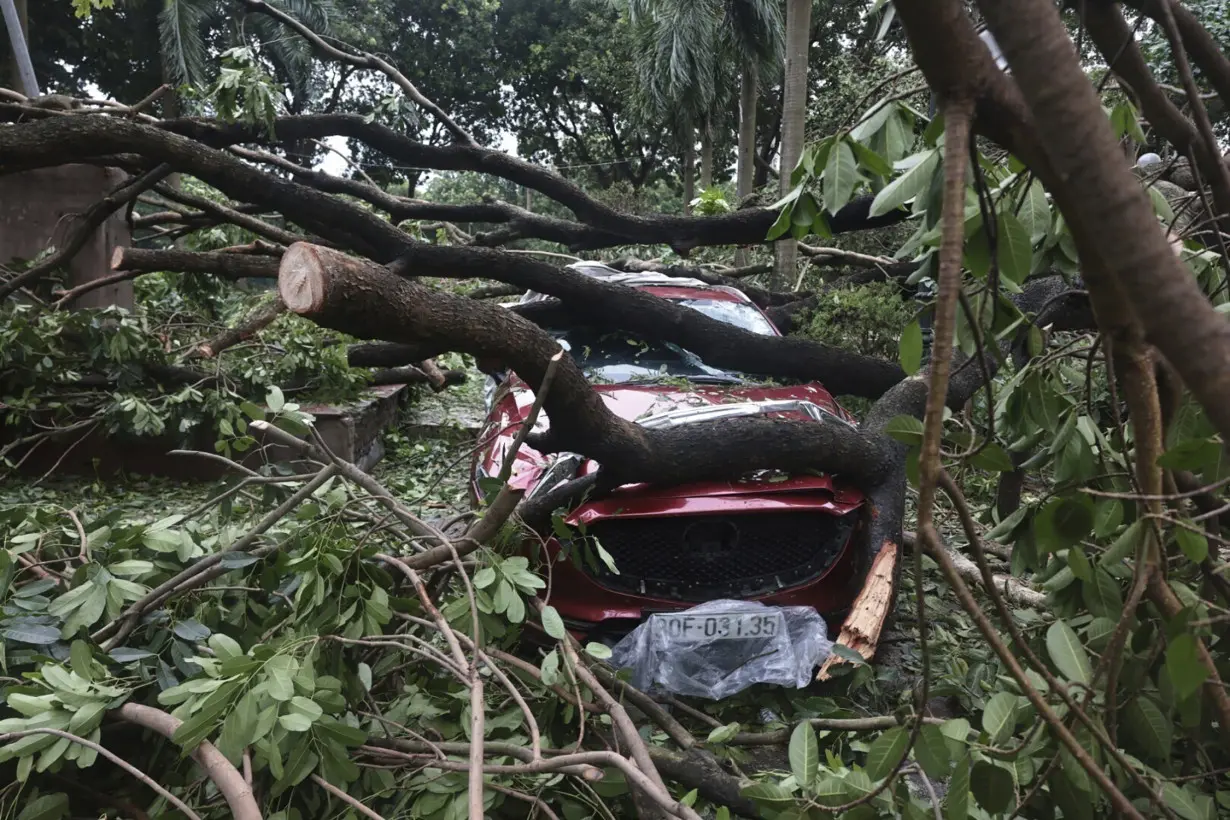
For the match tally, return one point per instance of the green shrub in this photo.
(867, 319)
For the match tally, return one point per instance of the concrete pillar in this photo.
(38, 209)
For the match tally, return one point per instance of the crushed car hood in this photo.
(649, 404)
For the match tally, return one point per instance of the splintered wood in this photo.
(861, 630)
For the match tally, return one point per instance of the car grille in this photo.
(705, 557)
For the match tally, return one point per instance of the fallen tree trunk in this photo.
(359, 298)
(233, 266)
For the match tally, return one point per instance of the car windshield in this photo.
(617, 357)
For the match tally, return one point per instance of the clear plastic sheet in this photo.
(719, 648)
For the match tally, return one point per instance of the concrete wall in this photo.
(37, 210)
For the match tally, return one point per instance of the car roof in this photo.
(660, 283)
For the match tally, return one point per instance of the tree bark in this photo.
(689, 172)
(357, 297)
(746, 170)
(1110, 215)
(706, 156)
(233, 266)
(48, 141)
(794, 121)
(257, 320)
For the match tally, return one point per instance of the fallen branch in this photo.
(260, 318)
(862, 627)
(345, 798)
(225, 777)
(114, 758)
(226, 265)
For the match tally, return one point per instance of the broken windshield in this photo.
(616, 357)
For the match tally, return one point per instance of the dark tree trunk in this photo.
(689, 172)
(745, 172)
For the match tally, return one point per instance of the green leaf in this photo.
(886, 752)
(516, 608)
(1074, 802)
(779, 228)
(999, 717)
(1015, 253)
(310, 709)
(1194, 545)
(1180, 801)
(1152, 732)
(1124, 547)
(840, 177)
(1068, 654)
(191, 631)
(909, 348)
(274, 400)
(906, 429)
(35, 634)
(365, 676)
(770, 793)
(907, 186)
(722, 734)
(553, 623)
(1063, 522)
(484, 578)
(1102, 595)
(550, 668)
(87, 718)
(1193, 454)
(806, 213)
(295, 722)
(1183, 665)
(1079, 563)
(931, 752)
(870, 160)
(225, 647)
(993, 457)
(598, 650)
(804, 754)
(1107, 516)
(1035, 213)
(992, 786)
(47, 807)
(956, 801)
(90, 610)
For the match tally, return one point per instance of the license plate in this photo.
(728, 626)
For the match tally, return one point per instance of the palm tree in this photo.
(693, 52)
(794, 117)
(185, 25)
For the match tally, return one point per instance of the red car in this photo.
(782, 540)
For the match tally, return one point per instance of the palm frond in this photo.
(181, 40)
(318, 15)
(756, 31)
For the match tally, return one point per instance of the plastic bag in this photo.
(718, 648)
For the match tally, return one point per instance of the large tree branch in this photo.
(363, 299)
(1117, 43)
(603, 226)
(1110, 215)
